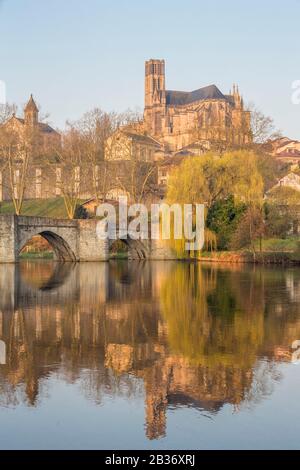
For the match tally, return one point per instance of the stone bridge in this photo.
(71, 240)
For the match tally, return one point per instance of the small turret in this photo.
(237, 97)
(31, 112)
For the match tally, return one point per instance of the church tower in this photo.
(155, 95)
(155, 87)
(31, 113)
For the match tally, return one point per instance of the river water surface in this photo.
(149, 356)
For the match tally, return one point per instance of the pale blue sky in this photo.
(74, 55)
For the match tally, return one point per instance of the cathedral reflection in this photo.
(182, 334)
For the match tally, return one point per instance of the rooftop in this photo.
(31, 105)
(180, 98)
(142, 138)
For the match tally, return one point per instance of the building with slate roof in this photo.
(178, 118)
(126, 144)
(31, 121)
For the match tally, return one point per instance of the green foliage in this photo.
(250, 228)
(227, 184)
(225, 317)
(54, 207)
(270, 169)
(279, 221)
(211, 177)
(37, 255)
(280, 245)
(283, 208)
(222, 218)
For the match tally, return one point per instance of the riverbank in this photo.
(278, 258)
(37, 255)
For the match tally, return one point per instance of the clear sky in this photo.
(74, 55)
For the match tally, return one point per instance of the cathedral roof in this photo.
(180, 98)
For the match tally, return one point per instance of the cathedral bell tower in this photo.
(155, 95)
(31, 113)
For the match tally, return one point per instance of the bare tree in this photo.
(65, 161)
(97, 131)
(6, 112)
(94, 128)
(17, 152)
(136, 178)
(263, 127)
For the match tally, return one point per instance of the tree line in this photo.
(75, 163)
(232, 183)
(243, 202)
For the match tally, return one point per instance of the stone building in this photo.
(166, 166)
(176, 124)
(39, 180)
(291, 180)
(30, 121)
(178, 118)
(126, 144)
(285, 150)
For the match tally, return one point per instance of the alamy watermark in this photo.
(296, 353)
(296, 92)
(2, 93)
(2, 353)
(161, 222)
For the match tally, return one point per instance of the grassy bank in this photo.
(54, 208)
(269, 251)
(37, 255)
(121, 255)
(250, 257)
(283, 245)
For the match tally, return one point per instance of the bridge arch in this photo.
(61, 248)
(137, 249)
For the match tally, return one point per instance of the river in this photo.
(149, 355)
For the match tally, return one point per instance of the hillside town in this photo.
(104, 156)
(149, 231)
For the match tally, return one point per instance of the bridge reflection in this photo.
(192, 335)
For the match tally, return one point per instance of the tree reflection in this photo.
(183, 334)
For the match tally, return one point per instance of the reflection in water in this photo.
(184, 335)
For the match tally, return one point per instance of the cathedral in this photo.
(178, 119)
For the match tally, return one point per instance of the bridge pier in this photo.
(8, 239)
(91, 248)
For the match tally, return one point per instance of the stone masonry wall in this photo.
(8, 238)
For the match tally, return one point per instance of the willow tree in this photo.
(211, 178)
